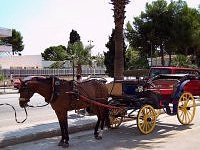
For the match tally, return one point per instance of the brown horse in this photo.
(65, 95)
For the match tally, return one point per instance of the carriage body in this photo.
(129, 94)
(175, 89)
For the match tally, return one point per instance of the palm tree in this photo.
(119, 16)
(80, 55)
(182, 61)
(99, 59)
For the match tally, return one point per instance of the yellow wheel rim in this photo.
(115, 121)
(146, 119)
(186, 108)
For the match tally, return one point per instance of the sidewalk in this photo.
(26, 133)
(8, 90)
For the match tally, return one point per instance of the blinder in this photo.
(22, 99)
(24, 89)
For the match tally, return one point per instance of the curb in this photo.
(44, 134)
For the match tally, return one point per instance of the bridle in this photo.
(25, 89)
(28, 90)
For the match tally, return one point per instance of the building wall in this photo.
(26, 61)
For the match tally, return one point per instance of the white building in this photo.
(26, 62)
(21, 62)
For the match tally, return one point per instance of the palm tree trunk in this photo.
(119, 16)
(79, 69)
(162, 55)
(119, 58)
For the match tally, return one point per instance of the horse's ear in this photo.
(20, 80)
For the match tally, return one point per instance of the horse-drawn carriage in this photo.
(174, 93)
(126, 98)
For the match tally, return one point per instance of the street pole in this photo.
(90, 43)
(73, 66)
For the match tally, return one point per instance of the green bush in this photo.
(1, 77)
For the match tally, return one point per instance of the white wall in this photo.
(21, 61)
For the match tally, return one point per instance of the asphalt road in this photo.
(168, 134)
(7, 119)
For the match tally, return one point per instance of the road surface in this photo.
(7, 119)
(168, 134)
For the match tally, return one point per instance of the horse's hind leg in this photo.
(102, 127)
(104, 120)
(96, 134)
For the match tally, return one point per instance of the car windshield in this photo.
(157, 71)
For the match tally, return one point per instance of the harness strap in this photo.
(53, 89)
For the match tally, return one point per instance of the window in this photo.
(157, 71)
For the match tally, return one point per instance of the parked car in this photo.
(171, 70)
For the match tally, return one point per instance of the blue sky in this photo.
(45, 23)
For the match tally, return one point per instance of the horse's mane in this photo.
(29, 78)
(42, 78)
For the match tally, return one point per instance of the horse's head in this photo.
(25, 93)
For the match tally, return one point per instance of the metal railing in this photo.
(48, 72)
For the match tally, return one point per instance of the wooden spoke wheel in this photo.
(115, 118)
(146, 119)
(186, 108)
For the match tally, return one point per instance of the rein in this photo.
(16, 112)
(32, 106)
(24, 110)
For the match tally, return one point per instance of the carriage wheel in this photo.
(115, 120)
(146, 119)
(186, 108)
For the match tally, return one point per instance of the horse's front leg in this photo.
(102, 128)
(62, 118)
(98, 134)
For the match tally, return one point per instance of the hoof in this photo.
(61, 143)
(98, 137)
(65, 145)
